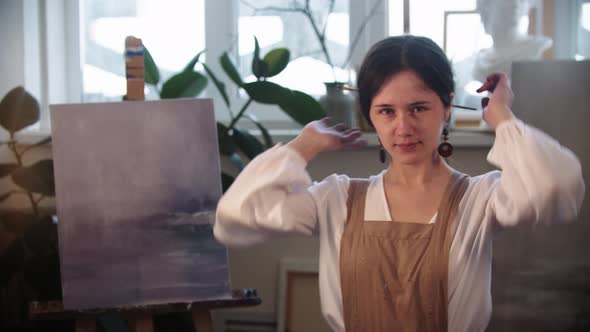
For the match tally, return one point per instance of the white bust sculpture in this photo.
(501, 20)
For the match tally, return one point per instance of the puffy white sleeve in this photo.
(541, 180)
(268, 197)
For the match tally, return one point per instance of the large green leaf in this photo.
(277, 60)
(226, 181)
(151, 74)
(226, 143)
(184, 84)
(6, 169)
(302, 108)
(230, 69)
(265, 134)
(247, 143)
(259, 67)
(267, 92)
(218, 84)
(191, 65)
(37, 178)
(18, 109)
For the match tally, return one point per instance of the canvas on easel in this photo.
(137, 184)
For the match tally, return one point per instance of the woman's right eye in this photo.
(386, 111)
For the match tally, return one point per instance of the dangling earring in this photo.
(445, 149)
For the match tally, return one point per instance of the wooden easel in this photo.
(140, 318)
(134, 68)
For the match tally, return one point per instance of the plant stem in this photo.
(306, 10)
(235, 120)
(12, 145)
(40, 198)
(359, 32)
(321, 38)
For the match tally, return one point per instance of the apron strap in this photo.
(444, 232)
(355, 204)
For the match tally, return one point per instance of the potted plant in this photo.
(236, 143)
(29, 261)
(338, 104)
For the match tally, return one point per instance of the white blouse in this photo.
(541, 182)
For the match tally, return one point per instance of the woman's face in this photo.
(408, 117)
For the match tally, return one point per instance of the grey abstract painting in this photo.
(137, 184)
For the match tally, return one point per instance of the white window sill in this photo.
(457, 137)
(27, 136)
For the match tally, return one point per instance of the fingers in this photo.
(353, 140)
(347, 131)
(339, 127)
(326, 121)
(484, 102)
(359, 143)
(346, 137)
(351, 134)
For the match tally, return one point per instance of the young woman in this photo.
(409, 249)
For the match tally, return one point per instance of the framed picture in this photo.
(298, 300)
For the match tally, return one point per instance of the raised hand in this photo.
(319, 136)
(499, 106)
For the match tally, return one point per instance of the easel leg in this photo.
(202, 320)
(86, 325)
(141, 323)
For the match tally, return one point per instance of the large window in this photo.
(282, 23)
(451, 23)
(583, 30)
(173, 31)
(455, 26)
(82, 42)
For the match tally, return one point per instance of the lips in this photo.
(406, 147)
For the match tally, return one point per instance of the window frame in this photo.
(53, 66)
(53, 59)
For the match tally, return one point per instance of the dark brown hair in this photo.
(395, 54)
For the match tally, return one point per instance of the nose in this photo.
(405, 125)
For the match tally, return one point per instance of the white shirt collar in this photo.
(376, 204)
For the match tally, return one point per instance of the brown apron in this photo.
(394, 274)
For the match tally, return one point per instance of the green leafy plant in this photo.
(187, 83)
(317, 18)
(236, 143)
(28, 237)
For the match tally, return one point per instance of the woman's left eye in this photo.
(418, 109)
